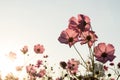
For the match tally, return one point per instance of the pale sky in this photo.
(29, 22)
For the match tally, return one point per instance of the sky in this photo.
(30, 22)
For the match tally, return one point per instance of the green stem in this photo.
(80, 56)
(92, 59)
(118, 77)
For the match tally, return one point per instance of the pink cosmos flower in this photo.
(30, 69)
(80, 24)
(104, 52)
(41, 73)
(39, 49)
(63, 64)
(68, 36)
(88, 37)
(39, 62)
(72, 66)
(19, 68)
(24, 49)
(12, 55)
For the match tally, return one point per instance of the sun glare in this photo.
(9, 62)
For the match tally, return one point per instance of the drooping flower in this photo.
(63, 64)
(24, 49)
(88, 37)
(82, 23)
(39, 49)
(68, 36)
(72, 66)
(104, 53)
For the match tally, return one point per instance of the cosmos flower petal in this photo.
(110, 49)
(104, 53)
(87, 19)
(73, 21)
(111, 57)
(97, 52)
(88, 37)
(39, 49)
(101, 59)
(102, 47)
(68, 36)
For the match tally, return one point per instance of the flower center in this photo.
(38, 50)
(70, 39)
(97, 72)
(104, 55)
(73, 65)
(88, 37)
(82, 25)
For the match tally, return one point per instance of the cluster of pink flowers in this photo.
(79, 30)
(71, 66)
(34, 70)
